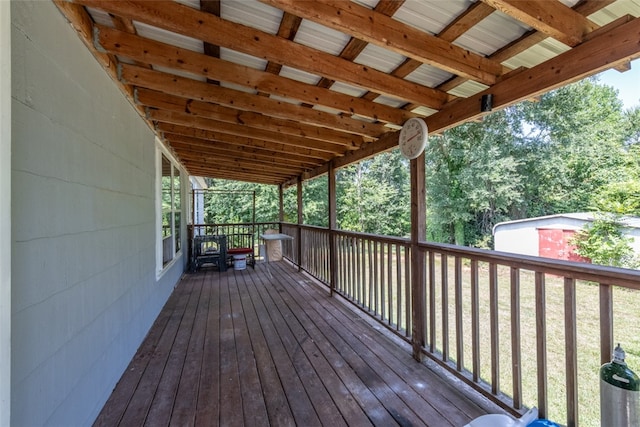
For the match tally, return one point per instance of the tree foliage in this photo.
(603, 242)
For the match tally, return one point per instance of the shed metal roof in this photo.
(627, 220)
(272, 90)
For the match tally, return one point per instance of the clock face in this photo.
(413, 138)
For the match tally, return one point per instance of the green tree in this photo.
(570, 143)
(315, 201)
(373, 195)
(472, 181)
(603, 242)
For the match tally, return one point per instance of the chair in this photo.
(241, 244)
(209, 249)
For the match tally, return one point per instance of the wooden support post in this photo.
(280, 207)
(300, 221)
(418, 232)
(606, 322)
(333, 247)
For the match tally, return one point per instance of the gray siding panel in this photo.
(84, 286)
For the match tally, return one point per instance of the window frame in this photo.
(176, 188)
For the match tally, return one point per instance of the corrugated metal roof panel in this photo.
(101, 17)
(326, 109)
(299, 75)
(615, 11)
(390, 101)
(287, 100)
(492, 33)
(467, 89)
(370, 4)
(379, 59)
(424, 111)
(253, 14)
(180, 73)
(431, 16)
(239, 88)
(348, 89)
(320, 37)
(428, 76)
(168, 37)
(546, 49)
(242, 59)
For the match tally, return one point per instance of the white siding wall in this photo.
(84, 284)
(5, 213)
(517, 239)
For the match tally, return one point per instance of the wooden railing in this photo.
(232, 229)
(506, 324)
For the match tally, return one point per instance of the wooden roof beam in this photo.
(159, 100)
(150, 51)
(181, 142)
(381, 30)
(197, 170)
(176, 17)
(549, 17)
(230, 164)
(228, 159)
(239, 141)
(202, 91)
(244, 131)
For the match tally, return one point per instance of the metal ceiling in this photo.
(272, 90)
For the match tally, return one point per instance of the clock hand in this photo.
(412, 137)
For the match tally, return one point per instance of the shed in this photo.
(548, 236)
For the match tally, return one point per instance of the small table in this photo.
(272, 237)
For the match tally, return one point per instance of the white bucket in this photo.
(239, 262)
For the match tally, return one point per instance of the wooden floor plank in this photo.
(231, 413)
(187, 394)
(244, 348)
(253, 405)
(164, 399)
(208, 404)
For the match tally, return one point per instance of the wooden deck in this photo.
(241, 348)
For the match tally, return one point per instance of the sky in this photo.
(627, 83)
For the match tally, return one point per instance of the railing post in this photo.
(606, 323)
(571, 356)
(418, 229)
(333, 252)
(280, 207)
(541, 343)
(300, 221)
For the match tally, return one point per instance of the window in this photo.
(170, 196)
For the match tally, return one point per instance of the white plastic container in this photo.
(240, 262)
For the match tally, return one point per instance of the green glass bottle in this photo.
(619, 393)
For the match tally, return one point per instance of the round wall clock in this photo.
(413, 137)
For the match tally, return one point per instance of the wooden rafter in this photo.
(548, 17)
(379, 29)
